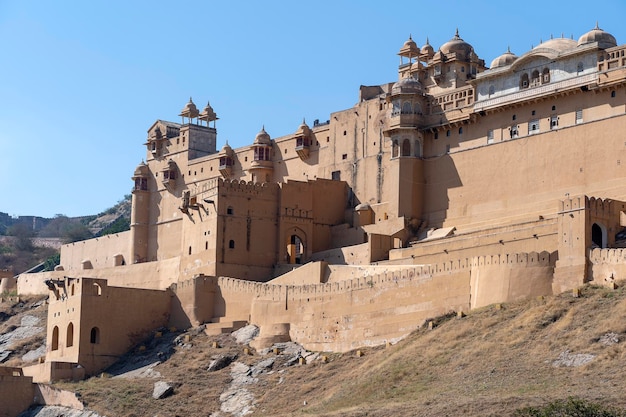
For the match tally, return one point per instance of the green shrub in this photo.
(571, 407)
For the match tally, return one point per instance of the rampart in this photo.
(607, 265)
(100, 252)
(372, 309)
(148, 275)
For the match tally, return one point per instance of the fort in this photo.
(454, 187)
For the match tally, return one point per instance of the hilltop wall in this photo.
(100, 252)
(377, 307)
(607, 265)
(148, 275)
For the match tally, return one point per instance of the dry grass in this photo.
(489, 363)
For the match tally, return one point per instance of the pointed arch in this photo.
(54, 345)
(69, 337)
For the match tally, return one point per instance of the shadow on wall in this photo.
(438, 180)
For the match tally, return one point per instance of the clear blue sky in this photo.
(81, 81)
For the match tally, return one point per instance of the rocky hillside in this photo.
(516, 359)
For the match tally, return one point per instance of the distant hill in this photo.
(27, 241)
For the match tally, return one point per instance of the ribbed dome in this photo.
(503, 60)
(407, 85)
(262, 138)
(457, 45)
(558, 44)
(604, 39)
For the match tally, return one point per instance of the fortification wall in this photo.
(380, 306)
(362, 311)
(193, 303)
(33, 284)
(100, 252)
(505, 278)
(148, 275)
(607, 265)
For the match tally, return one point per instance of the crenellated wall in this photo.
(376, 307)
(607, 265)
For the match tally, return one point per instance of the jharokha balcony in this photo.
(303, 144)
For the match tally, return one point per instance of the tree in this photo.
(23, 235)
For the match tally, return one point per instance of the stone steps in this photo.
(221, 325)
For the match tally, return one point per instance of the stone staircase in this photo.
(221, 325)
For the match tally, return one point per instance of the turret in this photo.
(262, 166)
(140, 214)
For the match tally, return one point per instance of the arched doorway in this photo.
(598, 236)
(296, 249)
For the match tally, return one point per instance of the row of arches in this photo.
(407, 148)
(406, 107)
(536, 78)
(94, 336)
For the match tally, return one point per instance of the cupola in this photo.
(140, 176)
(410, 51)
(208, 115)
(427, 51)
(262, 165)
(189, 111)
(227, 160)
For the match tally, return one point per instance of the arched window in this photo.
(545, 76)
(94, 336)
(406, 147)
(97, 289)
(394, 149)
(534, 80)
(406, 108)
(69, 337)
(231, 244)
(55, 339)
(523, 81)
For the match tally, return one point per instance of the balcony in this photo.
(397, 120)
(302, 147)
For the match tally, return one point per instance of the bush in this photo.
(571, 407)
